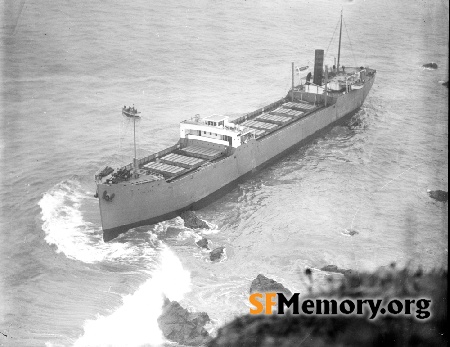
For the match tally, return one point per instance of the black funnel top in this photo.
(318, 66)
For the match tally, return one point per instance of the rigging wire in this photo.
(117, 159)
(351, 47)
(332, 37)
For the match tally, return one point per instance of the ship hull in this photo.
(136, 205)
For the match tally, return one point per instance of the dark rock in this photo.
(445, 84)
(292, 330)
(350, 232)
(430, 66)
(181, 326)
(438, 195)
(334, 268)
(172, 231)
(216, 253)
(192, 221)
(203, 243)
(357, 122)
(262, 284)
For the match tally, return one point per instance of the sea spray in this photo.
(67, 230)
(135, 322)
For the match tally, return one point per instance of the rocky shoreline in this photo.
(179, 325)
(188, 328)
(289, 330)
(294, 330)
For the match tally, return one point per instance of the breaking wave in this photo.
(66, 228)
(135, 322)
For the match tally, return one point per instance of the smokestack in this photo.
(318, 67)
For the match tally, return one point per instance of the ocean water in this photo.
(69, 67)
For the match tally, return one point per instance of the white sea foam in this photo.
(77, 238)
(213, 229)
(135, 322)
(184, 232)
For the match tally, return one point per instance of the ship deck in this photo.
(277, 116)
(176, 161)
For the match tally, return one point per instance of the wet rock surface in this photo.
(192, 221)
(430, 65)
(350, 232)
(172, 232)
(179, 325)
(216, 253)
(262, 284)
(439, 195)
(203, 243)
(334, 268)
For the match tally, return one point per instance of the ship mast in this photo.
(134, 140)
(292, 97)
(339, 50)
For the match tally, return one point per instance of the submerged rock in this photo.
(445, 84)
(355, 122)
(216, 253)
(262, 284)
(334, 268)
(350, 232)
(172, 232)
(430, 66)
(438, 195)
(192, 221)
(181, 326)
(203, 243)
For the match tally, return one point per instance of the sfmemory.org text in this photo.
(265, 303)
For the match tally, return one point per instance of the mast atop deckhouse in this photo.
(135, 174)
(339, 49)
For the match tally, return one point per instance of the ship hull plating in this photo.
(148, 203)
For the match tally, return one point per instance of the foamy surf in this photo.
(135, 322)
(175, 228)
(78, 239)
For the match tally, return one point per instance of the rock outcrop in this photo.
(350, 232)
(216, 253)
(203, 243)
(179, 325)
(439, 195)
(172, 231)
(292, 330)
(262, 284)
(192, 221)
(430, 66)
(334, 268)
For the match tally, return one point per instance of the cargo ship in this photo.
(214, 152)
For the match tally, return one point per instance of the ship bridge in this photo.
(215, 129)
